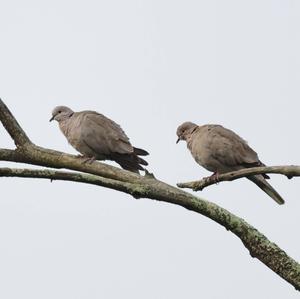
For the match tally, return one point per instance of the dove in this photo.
(97, 137)
(220, 150)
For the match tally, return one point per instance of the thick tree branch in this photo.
(12, 126)
(32, 154)
(289, 171)
(141, 187)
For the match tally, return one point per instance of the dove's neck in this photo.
(189, 138)
(65, 127)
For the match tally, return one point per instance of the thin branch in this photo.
(66, 176)
(12, 126)
(289, 171)
(141, 187)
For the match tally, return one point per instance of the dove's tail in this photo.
(266, 187)
(130, 162)
(140, 152)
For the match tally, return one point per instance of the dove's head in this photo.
(61, 113)
(185, 130)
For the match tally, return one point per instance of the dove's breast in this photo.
(201, 144)
(71, 128)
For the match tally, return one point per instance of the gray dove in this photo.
(220, 150)
(97, 137)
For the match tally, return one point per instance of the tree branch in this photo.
(78, 177)
(12, 126)
(140, 187)
(32, 154)
(289, 171)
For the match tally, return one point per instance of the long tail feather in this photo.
(266, 187)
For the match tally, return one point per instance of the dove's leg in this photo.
(215, 177)
(86, 159)
(89, 160)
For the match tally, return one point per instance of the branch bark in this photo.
(77, 177)
(12, 126)
(139, 187)
(289, 171)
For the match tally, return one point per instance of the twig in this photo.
(289, 171)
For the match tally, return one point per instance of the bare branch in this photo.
(67, 176)
(140, 187)
(289, 171)
(32, 154)
(12, 126)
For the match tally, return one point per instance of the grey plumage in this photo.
(97, 137)
(220, 150)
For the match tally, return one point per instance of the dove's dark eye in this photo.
(59, 111)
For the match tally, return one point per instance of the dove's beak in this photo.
(52, 118)
(178, 140)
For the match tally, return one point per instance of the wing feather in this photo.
(230, 149)
(103, 135)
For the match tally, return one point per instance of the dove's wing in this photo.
(103, 135)
(230, 149)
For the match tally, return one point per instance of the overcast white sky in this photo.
(149, 65)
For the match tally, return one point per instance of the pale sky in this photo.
(149, 65)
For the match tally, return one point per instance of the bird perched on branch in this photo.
(220, 150)
(97, 137)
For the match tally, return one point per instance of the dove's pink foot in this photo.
(214, 177)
